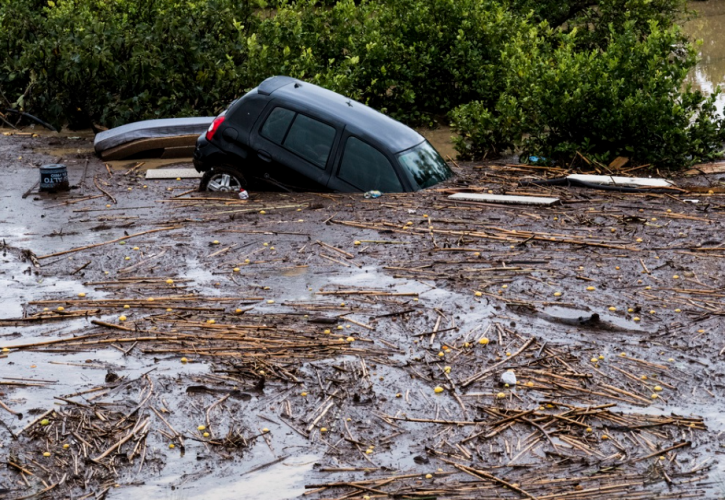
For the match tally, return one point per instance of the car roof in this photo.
(369, 124)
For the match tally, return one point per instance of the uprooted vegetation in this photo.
(207, 338)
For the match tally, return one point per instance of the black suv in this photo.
(296, 135)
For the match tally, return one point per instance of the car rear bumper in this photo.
(203, 152)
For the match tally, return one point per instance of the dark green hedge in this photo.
(602, 77)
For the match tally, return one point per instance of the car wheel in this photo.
(223, 179)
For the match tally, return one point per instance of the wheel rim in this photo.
(224, 182)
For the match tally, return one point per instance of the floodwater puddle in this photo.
(21, 284)
(709, 26)
(577, 316)
(280, 481)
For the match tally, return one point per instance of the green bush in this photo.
(114, 62)
(413, 59)
(602, 77)
(625, 100)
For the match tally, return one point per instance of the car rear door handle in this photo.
(263, 155)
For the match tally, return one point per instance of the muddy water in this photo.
(709, 26)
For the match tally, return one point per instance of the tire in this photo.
(223, 179)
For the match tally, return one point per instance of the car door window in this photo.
(366, 168)
(276, 125)
(310, 139)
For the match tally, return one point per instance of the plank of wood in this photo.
(173, 173)
(612, 180)
(707, 168)
(504, 199)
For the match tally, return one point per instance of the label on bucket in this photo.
(53, 177)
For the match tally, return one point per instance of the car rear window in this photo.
(276, 125)
(425, 165)
(310, 139)
(366, 168)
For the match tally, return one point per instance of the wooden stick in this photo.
(107, 242)
(110, 197)
(662, 452)
(485, 475)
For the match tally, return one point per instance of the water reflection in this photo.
(709, 26)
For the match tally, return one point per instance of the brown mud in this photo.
(165, 343)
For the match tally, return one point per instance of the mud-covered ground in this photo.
(163, 343)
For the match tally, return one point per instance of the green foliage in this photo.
(594, 18)
(115, 62)
(625, 100)
(551, 77)
(414, 59)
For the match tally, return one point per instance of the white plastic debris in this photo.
(502, 198)
(613, 180)
(243, 195)
(508, 377)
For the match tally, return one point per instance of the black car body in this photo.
(298, 135)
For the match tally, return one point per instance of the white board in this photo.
(503, 198)
(173, 173)
(611, 180)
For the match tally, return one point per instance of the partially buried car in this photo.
(298, 136)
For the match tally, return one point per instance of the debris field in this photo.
(157, 339)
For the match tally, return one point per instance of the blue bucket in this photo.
(54, 178)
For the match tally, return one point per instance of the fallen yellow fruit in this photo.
(438, 389)
(483, 341)
(122, 318)
(202, 427)
(184, 360)
(501, 395)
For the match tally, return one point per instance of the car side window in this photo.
(276, 125)
(366, 168)
(310, 139)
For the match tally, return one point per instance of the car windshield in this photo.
(425, 164)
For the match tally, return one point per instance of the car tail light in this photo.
(214, 126)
